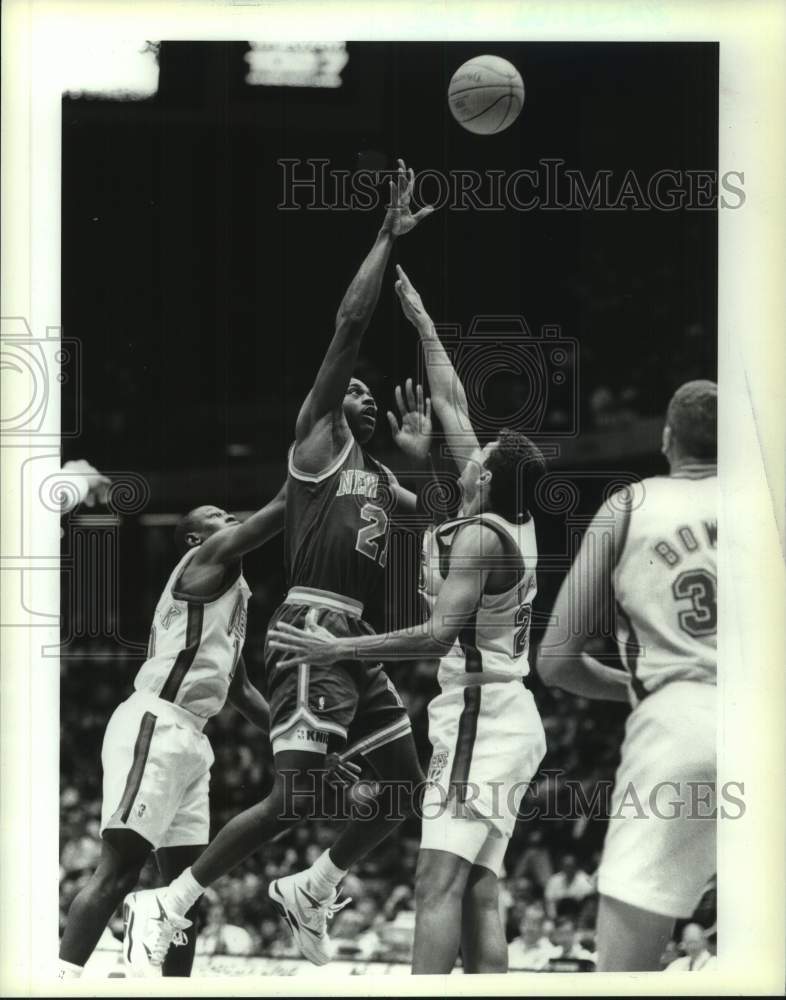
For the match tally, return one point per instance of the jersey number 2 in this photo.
(367, 541)
(523, 615)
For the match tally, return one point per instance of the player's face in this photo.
(360, 410)
(213, 519)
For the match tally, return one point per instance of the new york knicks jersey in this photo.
(338, 525)
(195, 644)
(665, 580)
(496, 641)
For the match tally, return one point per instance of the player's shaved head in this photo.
(199, 523)
(188, 524)
(692, 416)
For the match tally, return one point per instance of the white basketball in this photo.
(486, 94)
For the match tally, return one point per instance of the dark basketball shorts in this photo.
(348, 706)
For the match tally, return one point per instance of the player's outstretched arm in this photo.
(582, 604)
(321, 429)
(247, 699)
(447, 392)
(231, 544)
(472, 555)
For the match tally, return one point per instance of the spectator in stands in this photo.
(401, 898)
(354, 935)
(535, 861)
(566, 945)
(697, 955)
(570, 882)
(218, 937)
(531, 950)
(670, 952)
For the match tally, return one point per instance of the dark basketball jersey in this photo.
(338, 525)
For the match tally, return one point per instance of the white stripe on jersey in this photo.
(499, 640)
(665, 580)
(195, 645)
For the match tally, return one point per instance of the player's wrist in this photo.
(345, 649)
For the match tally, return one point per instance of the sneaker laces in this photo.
(335, 906)
(179, 938)
(166, 935)
(327, 910)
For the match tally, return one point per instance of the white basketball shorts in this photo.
(488, 743)
(156, 773)
(659, 852)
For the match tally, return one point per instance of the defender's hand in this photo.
(409, 297)
(399, 218)
(313, 644)
(341, 772)
(414, 434)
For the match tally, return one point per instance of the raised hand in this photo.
(410, 299)
(399, 218)
(413, 436)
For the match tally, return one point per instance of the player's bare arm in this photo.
(247, 699)
(206, 569)
(447, 391)
(582, 603)
(474, 554)
(321, 429)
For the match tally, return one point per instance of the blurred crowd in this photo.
(548, 900)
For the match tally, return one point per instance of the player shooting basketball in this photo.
(478, 576)
(339, 504)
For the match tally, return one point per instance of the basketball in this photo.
(486, 94)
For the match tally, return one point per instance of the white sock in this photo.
(183, 892)
(323, 876)
(67, 970)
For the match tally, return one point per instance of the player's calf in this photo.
(483, 944)
(123, 854)
(440, 881)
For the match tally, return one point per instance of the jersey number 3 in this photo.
(368, 540)
(698, 586)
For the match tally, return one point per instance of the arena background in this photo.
(202, 311)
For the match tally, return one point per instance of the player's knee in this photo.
(437, 882)
(123, 856)
(482, 891)
(118, 879)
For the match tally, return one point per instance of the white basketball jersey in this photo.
(665, 580)
(195, 644)
(497, 639)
